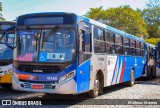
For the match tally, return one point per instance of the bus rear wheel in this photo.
(94, 93)
(132, 81)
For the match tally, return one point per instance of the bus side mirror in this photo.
(10, 39)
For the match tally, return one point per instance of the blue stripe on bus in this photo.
(125, 64)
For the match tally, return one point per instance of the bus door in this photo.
(84, 56)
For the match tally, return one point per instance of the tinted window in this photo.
(99, 43)
(133, 43)
(118, 39)
(125, 41)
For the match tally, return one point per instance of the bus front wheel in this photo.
(94, 93)
(6, 86)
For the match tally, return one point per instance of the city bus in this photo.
(64, 53)
(158, 59)
(150, 61)
(6, 54)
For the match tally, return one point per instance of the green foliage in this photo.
(123, 18)
(0, 6)
(1, 17)
(152, 16)
(153, 41)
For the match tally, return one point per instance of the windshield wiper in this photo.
(55, 29)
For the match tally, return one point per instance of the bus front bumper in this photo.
(6, 78)
(68, 87)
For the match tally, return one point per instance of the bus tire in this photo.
(132, 81)
(94, 93)
(148, 73)
(6, 86)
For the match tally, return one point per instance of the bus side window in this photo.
(126, 46)
(81, 41)
(108, 43)
(87, 42)
(142, 49)
(133, 45)
(113, 50)
(99, 40)
(119, 42)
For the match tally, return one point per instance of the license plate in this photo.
(37, 86)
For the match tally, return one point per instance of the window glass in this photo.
(108, 35)
(125, 41)
(98, 34)
(137, 44)
(119, 49)
(99, 43)
(132, 43)
(87, 42)
(112, 37)
(118, 39)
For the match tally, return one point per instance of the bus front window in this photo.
(5, 52)
(57, 46)
(27, 45)
(46, 45)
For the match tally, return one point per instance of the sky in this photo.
(14, 8)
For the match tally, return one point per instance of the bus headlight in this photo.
(67, 77)
(5, 72)
(8, 71)
(63, 78)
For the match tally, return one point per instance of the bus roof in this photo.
(80, 18)
(7, 22)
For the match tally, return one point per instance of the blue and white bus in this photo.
(6, 54)
(64, 53)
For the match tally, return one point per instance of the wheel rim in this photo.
(96, 86)
(132, 78)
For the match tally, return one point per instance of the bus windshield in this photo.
(46, 45)
(5, 52)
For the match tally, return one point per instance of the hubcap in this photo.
(132, 78)
(96, 86)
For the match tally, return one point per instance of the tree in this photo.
(1, 17)
(153, 41)
(96, 13)
(152, 16)
(123, 18)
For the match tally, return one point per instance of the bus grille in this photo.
(39, 68)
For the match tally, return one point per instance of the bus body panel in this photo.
(83, 77)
